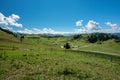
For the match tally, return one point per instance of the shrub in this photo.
(117, 40)
(21, 38)
(67, 46)
(78, 36)
(95, 37)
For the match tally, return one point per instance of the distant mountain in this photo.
(118, 34)
(52, 35)
(71, 34)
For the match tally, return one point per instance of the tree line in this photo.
(97, 37)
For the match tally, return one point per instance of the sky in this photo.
(60, 16)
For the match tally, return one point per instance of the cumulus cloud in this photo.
(77, 31)
(93, 26)
(111, 24)
(90, 27)
(79, 23)
(48, 30)
(114, 27)
(41, 31)
(25, 31)
(2, 20)
(10, 21)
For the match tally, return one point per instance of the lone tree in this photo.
(21, 38)
(67, 46)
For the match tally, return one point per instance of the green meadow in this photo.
(41, 58)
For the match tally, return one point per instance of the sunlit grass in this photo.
(56, 65)
(43, 59)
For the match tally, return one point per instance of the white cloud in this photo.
(90, 27)
(8, 28)
(2, 20)
(114, 27)
(51, 31)
(10, 21)
(48, 30)
(25, 31)
(44, 30)
(15, 17)
(41, 31)
(111, 24)
(81, 30)
(79, 23)
(93, 26)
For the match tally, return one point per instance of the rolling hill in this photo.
(6, 35)
(41, 58)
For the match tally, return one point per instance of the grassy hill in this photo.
(107, 45)
(6, 35)
(41, 58)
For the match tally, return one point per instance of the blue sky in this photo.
(60, 16)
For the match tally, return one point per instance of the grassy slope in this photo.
(107, 46)
(5, 36)
(56, 65)
(40, 59)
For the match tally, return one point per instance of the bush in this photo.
(21, 38)
(78, 36)
(95, 37)
(67, 46)
(117, 40)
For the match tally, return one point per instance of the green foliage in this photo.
(34, 37)
(3, 55)
(17, 64)
(2, 72)
(83, 75)
(94, 37)
(51, 35)
(78, 36)
(117, 40)
(66, 71)
(21, 38)
(67, 46)
(40, 59)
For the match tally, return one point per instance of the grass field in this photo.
(43, 59)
